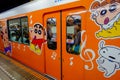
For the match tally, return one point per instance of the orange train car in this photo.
(65, 39)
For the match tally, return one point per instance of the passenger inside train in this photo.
(16, 34)
(51, 33)
(73, 34)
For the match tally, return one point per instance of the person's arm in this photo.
(78, 38)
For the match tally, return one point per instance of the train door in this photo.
(73, 22)
(53, 45)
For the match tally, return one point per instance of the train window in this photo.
(73, 40)
(19, 30)
(51, 33)
(15, 30)
(25, 30)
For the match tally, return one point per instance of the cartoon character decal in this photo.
(7, 45)
(38, 38)
(109, 59)
(106, 14)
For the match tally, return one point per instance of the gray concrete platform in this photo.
(13, 70)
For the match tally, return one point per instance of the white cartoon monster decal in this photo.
(109, 59)
(106, 14)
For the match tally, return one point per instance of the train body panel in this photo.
(67, 40)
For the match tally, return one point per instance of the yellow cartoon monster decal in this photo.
(106, 13)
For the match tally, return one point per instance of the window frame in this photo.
(21, 30)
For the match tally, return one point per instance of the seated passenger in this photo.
(70, 21)
(13, 37)
(25, 38)
(18, 33)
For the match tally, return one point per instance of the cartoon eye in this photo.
(35, 31)
(103, 51)
(112, 8)
(103, 12)
(39, 32)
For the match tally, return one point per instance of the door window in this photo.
(51, 33)
(73, 23)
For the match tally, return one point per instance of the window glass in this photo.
(15, 30)
(25, 30)
(73, 40)
(51, 33)
(19, 30)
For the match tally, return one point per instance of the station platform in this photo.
(13, 70)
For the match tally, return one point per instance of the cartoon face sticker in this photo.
(38, 38)
(109, 59)
(106, 14)
(38, 31)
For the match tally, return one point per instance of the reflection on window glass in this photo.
(18, 30)
(25, 30)
(51, 33)
(15, 30)
(73, 40)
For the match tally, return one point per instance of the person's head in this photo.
(25, 34)
(105, 11)
(70, 20)
(77, 27)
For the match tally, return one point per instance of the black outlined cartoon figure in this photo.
(38, 39)
(7, 44)
(109, 59)
(106, 14)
